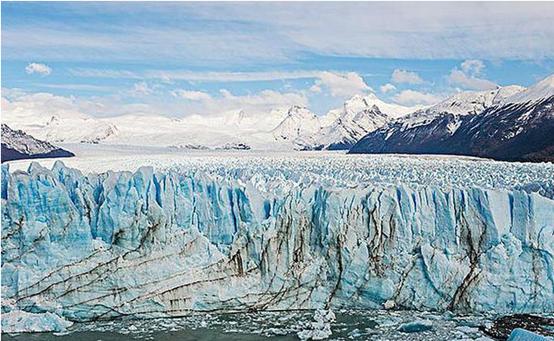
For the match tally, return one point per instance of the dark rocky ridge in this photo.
(510, 132)
(18, 145)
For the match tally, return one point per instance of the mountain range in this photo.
(507, 123)
(510, 123)
(289, 128)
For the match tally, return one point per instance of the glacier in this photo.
(243, 236)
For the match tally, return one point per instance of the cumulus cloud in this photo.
(387, 88)
(403, 76)
(460, 79)
(472, 66)
(469, 76)
(191, 95)
(39, 68)
(340, 85)
(412, 97)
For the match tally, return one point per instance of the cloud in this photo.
(226, 34)
(182, 103)
(261, 102)
(411, 97)
(420, 30)
(38, 68)
(316, 88)
(104, 73)
(192, 95)
(467, 77)
(460, 79)
(220, 76)
(472, 66)
(340, 85)
(142, 89)
(209, 76)
(403, 76)
(387, 88)
(258, 103)
(77, 87)
(41, 106)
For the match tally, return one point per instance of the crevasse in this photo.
(151, 244)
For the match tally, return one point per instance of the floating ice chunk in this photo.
(18, 321)
(325, 315)
(520, 334)
(389, 304)
(416, 326)
(468, 329)
(320, 328)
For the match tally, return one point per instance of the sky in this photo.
(178, 59)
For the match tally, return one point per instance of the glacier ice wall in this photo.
(152, 244)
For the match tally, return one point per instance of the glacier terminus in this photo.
(274, 232)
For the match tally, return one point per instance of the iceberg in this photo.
(520, 334)
(168, 243)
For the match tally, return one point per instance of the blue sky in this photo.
(112, 58)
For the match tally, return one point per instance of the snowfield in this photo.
(101, 238)
(325, 168)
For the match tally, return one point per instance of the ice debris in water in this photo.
(17, 321)
(320, 328)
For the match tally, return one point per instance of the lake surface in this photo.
(349, 325)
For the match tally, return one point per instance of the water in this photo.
(349, 325)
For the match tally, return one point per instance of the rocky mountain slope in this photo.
(17, 145)
(507, 124)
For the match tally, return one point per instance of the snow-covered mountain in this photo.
(37, 115)
(17, 145)
(458, 105)
(537, 92)
(295, 127)
(358, 116)
(298, 123)
(510, 123)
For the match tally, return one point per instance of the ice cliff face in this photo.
(156, 244)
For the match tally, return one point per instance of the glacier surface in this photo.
(235, 234)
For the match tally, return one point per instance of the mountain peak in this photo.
(539, 91)
(299, 122)
(359, 103)
(469, 102)
(365, 100)
(300, 111)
